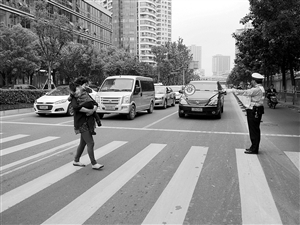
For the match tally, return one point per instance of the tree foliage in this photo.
(173, 60)
(273, 44)
(54, 32)
(18, 55)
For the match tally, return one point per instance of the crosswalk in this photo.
(258, 205)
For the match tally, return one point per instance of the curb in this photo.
(16, 111)
(283, 104)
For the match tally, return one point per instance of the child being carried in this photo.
(85, 100)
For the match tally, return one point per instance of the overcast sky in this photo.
(209, 24)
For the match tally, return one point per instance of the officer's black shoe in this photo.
(248, 151)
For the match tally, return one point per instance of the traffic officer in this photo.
(254, 110)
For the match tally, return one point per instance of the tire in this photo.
(222, 109)
(100, 115)
(150, 110)
(132, 113)
(165, 104)
(174, 102)
(70, 110)
(181, 115)
(219, 115)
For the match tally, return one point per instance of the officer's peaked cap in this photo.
(257, 76)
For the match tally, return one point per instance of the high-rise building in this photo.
(146, 30)
(93, 22)
(241, 30)
(140, 24)
(197, 54)
(164, 21)
(220, 65)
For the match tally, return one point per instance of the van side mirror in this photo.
(136, 90)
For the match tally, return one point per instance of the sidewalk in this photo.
(16, 111)
(244, 101)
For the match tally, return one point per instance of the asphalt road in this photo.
(159, 169)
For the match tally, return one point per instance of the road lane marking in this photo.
(295, 158)
(257, 203)
(83, 207)
(26, 145)
(172, 205)
(26, 190)
(151, 124)
(16, 164)
(11, 138)
(163, 130)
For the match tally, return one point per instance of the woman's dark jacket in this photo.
(80, 117)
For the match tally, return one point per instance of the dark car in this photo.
(202, 98)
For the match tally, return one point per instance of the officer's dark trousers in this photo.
(254, 129)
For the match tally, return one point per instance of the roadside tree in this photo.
(18, 55)
(54, 32)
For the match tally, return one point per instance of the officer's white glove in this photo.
(232, 90)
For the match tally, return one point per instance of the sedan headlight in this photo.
(61, 101)
(213, 101)
(182, 101)
(126, 99)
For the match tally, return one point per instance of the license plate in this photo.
(109, 107)
(197, 109)
(43, 107)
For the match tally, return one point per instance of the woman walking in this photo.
(82, 121)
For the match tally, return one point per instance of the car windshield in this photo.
(160, 89)
(59, 91)
(205, 86)
(116, 85)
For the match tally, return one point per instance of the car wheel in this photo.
(132, 113)
(70, 110)
(222, 109)
(219, 115)
(181, 115)
(174, 102)
(100, 115)
(150, 110)
(165, 104)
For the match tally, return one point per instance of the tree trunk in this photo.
(293, 85)
(283, 80)
(49, 77)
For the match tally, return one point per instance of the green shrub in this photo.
(16, 96)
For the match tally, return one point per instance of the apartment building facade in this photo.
(92, 23)
(140, 24)
(197, 54)
(220, 65)
(163, 21)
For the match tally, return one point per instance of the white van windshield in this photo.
(115, 85)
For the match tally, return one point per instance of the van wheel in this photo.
(150, 110)
(132, 113)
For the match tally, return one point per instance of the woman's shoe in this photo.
(97, 166)
(78, 164)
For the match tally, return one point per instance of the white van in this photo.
(125, 94)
